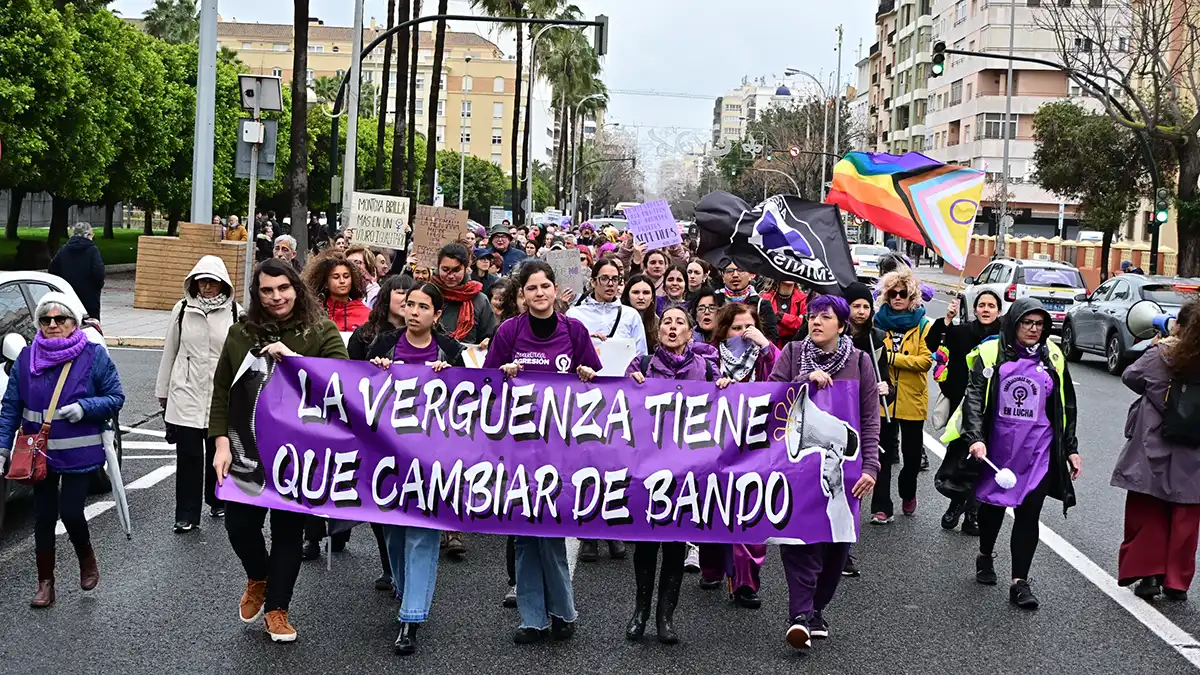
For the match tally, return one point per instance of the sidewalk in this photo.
(125, 326)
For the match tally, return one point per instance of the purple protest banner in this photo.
(547, 455)
(652, 224)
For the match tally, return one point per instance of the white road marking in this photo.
(144, 432)
(1166, 630)
(147, 445)
(90, 511)
(572, 556)
(153, 478)
(135, 349)
(158, 457)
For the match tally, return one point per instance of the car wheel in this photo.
(1113, 360)
(1068, 341)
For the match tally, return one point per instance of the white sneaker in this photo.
(691, 564)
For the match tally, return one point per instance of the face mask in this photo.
(737, 345)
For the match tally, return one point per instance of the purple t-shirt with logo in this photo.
(406, 353)
(569, 347)
(1021, 431)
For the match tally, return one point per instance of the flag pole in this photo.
(878, 376)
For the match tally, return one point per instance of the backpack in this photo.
(709, 368)
(182, 306)
(1181, 414)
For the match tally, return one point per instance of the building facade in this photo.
(736, 109)
(898, 68)
(475, 106)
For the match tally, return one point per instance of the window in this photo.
(420, 82)
(14, 312)
(467, 83)
(991, 125)
(967, 133)
(247, 45)
(277, 72)
(36, 291)
(426, 54)
(496, 158)
(441, 109)
(279, 48)
(498, 85)
(1120, 291)
(442, 81)
(316, 49)
(341, 73)
(497, 136)
(1033, 3)
(1074, 90)
(1083, 44)
(420, 107)
(960, 12)
(733, 107)
(498, 110)
(1123, 44)
(968, 91)
(466, 109)
(368, 75)
(956, 91)
(311, 76)
(441, 135)
(466, 135)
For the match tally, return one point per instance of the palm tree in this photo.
(381, 133)
(412, 104)
(435, 91)
(546, 8)
(174, 21)
(326, 88)
(572, 67)
(513, 8)
(297, 178)
(400, 124)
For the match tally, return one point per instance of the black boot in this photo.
(970, 526)
(406, 641)
(589, 550)
(616, 549)
(985, 570)
(311, 551)
(1148, 588)
(644, 568)
(952, 514)
(668, 598)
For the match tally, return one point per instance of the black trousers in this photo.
(1025, 529)
(51, 505)
(645, 556)
(898, 438)
(510, 560)
(194, 452)
(281, 565)
(377, 530)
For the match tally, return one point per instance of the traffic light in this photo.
(939, 59)
(1162, 203)
(600, 40)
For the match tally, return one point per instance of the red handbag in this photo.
(28, 462)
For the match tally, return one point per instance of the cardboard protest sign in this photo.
(433, 228)
(380, 220)
(652, 224)
(497, 215)
(568, 269)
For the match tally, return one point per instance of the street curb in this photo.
(952, 289)
(140, 342)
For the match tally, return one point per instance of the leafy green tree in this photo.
(399, 161)
(435, 89)
(175, 21)
(326, 88)
(483, 183)
(297, 179)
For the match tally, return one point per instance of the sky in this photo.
(699, 47)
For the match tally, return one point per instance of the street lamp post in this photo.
(462, 138)
(575, 157)
(795, 185)
(529, 106)
(350, 167)
(825, 133)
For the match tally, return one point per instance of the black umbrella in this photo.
(784, 238)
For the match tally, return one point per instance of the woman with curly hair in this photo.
(1161, 475)
(338, 285)
(506, 299)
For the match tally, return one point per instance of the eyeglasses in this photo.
(1031, 324)
(901, 293)
(706, 309)
(731, 270)
(608, 281)
(59, 320)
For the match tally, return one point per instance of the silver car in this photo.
(1055, 284)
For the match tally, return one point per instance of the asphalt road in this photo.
(167, 603)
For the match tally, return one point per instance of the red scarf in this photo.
(465, 296)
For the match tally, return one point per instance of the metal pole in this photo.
(350, 166)
(837, 98)
(529, 104)
(206, 101)
(250, 224)
(1012, 32)
(462, 142)
(575, 158)
(824, 146)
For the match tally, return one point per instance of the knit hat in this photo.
(64, 301)
(857, 291)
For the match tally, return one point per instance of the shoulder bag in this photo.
(28, 462)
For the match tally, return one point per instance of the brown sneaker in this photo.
(252, 601)
(278, 626)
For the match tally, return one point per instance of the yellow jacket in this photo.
(908, 361)
(236, 233)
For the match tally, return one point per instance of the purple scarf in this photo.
(49, 352)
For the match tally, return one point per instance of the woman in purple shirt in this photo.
(545, 341)
(826, 356)
(413, 551)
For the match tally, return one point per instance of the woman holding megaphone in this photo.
(1159, 465)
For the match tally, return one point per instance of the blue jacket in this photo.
(103, 398)
(512, 257)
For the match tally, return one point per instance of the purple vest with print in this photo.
(73, 447)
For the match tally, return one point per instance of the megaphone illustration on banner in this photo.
(1146, 318)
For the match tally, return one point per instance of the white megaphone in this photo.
(1146, 318)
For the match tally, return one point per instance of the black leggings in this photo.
(50, 505)
(1025, 529)
(904, 438)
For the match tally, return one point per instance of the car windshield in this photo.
(1052, 276)
(871, 250)
(1167, 294)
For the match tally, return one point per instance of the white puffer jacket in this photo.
(193, 347)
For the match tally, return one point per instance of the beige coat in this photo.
(190, 355)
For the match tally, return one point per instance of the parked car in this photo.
(1096, 322)
(19, 295)
(1055, 284)
(866, 261)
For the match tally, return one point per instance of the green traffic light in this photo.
(938, 69)
(1160, 216)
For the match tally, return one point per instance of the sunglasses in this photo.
(59, 320)
(897, 293)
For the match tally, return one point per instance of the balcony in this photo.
(886, 7)
(874, 50)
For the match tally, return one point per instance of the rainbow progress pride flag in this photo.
(913, 197)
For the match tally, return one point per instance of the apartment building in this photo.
(737, 108)
(475, 106)
(898, 66)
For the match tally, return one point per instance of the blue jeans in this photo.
(543, 581)
(413, 552)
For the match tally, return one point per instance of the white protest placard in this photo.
(615, 355)
(433, 228)
(380, 220)
(653, 225)
(473, 356)
(568, 269)
(497, 215)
